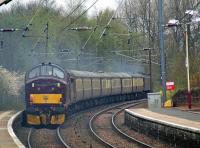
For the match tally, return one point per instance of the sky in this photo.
(101, 4)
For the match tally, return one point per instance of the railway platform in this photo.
(177, 126)
(7, 137)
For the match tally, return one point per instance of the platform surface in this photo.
(172, 117)
(5, 139)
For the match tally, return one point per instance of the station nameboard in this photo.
(170, 85)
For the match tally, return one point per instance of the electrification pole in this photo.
(47, 38)
(162, 53)
(47, 33)
(150, 70)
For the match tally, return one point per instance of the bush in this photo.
(11, 85)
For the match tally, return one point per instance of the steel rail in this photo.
(29, 137)
(58, 134)
(61, 139)
(102, 111)
(123, 133)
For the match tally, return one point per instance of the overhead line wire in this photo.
(31, 20)
(98, 21)
(79, 18)
(75, 9)
(110, 20)
(136, 59)
(108, 24)
(40, 37)
(83, 47)
(72, 22)
(59, 32)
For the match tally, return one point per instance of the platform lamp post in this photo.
(187, 65)
(175, 23)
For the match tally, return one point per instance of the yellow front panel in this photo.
(46, 98)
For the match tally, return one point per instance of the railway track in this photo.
(103, 127)
(114, 116)
(80, 134)
(77, 126)
(45, 138)
(61, 138)
(29, 138)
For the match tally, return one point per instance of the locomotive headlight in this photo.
(33, 84)
(31, 98)
(58, 84)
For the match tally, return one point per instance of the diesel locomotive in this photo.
(50, 90)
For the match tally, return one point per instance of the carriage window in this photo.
(58, 73)
(34, 73)
(46, 70)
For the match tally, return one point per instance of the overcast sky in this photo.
(101, 4)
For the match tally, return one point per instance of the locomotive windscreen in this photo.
(46, 70)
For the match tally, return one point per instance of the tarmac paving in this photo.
(175, 112)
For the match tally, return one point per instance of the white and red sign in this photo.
(170, 85)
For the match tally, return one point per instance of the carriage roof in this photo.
(75, 73)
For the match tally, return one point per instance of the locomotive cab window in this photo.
(58, 73)
(34, 73)
(46, 70)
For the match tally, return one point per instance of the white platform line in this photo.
(11, 132)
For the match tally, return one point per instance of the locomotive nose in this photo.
(46, 91)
